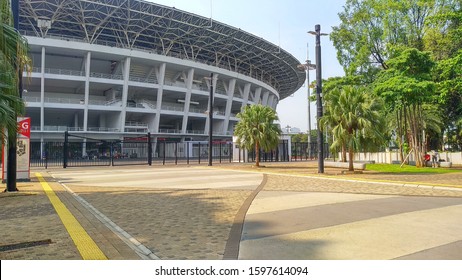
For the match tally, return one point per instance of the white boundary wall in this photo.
(389, 157)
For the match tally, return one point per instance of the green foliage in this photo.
(394, 45)
(353, 115)
(300, 137)
(369, 27)
(395, 168)
(448, 74)
(257, 130)
(13, 59)
(406, 87)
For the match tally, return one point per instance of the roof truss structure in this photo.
(137, 24)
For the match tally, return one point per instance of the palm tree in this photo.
(10, 103)
(13, 60)
(256, 129)
(354, 118)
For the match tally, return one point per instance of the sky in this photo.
(284, 23)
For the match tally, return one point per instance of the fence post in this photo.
(199, 153)
(176, 153)
(149, 149)
(65, 148)
(187, 152)
(163, 161)
(111, 152)
(231, 152)
(46, 155)
(220, 152)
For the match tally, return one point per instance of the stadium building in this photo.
(112, 69)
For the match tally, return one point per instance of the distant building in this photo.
(290, 130)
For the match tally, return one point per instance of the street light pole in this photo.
(318, 34)
(210, 119)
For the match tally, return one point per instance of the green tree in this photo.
(406, 86)
(448, 75)
(369, 27)
(444, 36)
(257, 130)
(354, 116)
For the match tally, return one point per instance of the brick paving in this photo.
(176, 224)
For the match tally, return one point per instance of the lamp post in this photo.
(318, 35)
(210, 119)
(307, 67)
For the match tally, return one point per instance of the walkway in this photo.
(142, 212)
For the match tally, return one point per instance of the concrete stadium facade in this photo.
(111, 69)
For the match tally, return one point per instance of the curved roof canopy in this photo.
(137, 24)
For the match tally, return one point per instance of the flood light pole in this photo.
(318, 35)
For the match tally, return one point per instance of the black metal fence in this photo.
(77, 151)
(299, 151)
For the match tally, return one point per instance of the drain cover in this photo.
(22, 245)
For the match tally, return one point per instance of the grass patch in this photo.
(395, 168)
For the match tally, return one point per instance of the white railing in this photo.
(195, 131)
(64, 100)
(103, 129)
(136, 124)
(106, 76)
(169, 107)
(67, 128)
(170, 131)
(137, 130)
(143, 80)
(66, 72)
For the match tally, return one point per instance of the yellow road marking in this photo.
(85, 244)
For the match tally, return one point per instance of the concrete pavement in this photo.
(183, 212)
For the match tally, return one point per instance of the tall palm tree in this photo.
(256, 129)
(10, 103)
(354, 118)
(13, 60)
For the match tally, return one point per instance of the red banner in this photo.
(24, 127)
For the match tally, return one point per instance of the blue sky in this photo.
(283, 23)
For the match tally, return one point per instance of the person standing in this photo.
(435, 159)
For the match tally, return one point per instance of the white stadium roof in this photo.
(136, 24)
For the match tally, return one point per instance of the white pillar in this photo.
(42, 92)
(209, 83)
(87, 91)
(257, 96)
(229, 104)
(265, 98)
(160, 73)
(126, 75)
(246, 94)
(187, 99)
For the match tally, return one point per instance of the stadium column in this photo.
(126, 75)
(42, 92)
(246, 94)
(271, 101)
(187, 98)
(87, 91)
(229, 104)
(209, 84)
(160, 75)
(265, 98)
(257, 96)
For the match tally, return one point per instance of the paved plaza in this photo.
(232, 211)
